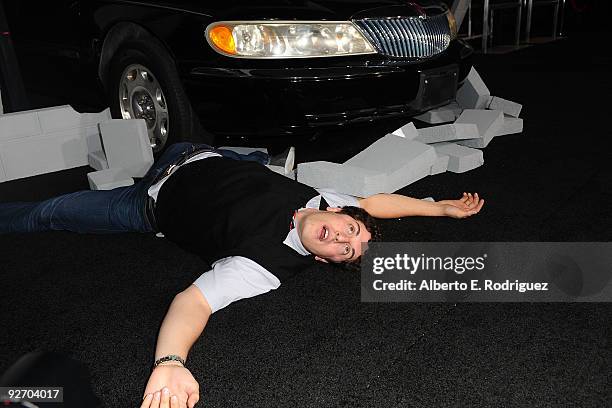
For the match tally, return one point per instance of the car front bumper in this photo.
(270, 102)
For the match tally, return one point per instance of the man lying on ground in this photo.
(254, 227)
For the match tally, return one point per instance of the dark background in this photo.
(312, 342)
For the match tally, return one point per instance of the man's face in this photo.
(331, 236)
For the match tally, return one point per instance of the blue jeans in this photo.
(102, 211)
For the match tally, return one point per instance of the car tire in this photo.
(144, 83)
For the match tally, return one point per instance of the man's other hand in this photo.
(469, 204)
(180, 384)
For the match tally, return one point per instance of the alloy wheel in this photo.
(141, 97)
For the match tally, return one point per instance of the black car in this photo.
(270, 69)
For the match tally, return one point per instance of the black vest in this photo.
(219, 207)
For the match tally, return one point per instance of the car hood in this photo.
(308, 10)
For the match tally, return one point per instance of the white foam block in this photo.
(489, 123)
(342, 178)
(473, 93)
(461, 158)
(403, 161)
(45, 153)
(400, 179)
(126, 145)
(508, 107)
(245, 150)
(47, 120)
(428, 199)
(109, 179)
(444, 133)
(44, 140)
(97, 160)
(65, 117)
(1, 106)
(408, 131)
(14, 126)
(440, 166)
(511, 126)
(280, 170)
(438, 115)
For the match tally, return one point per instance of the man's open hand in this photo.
(183, 389)
(160, 399)
(469, 204)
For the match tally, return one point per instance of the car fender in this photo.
(119, 34)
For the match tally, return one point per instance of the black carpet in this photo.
(312, 343)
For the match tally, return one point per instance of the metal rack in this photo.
(559, 8)
(489, 8)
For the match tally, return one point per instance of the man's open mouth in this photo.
(324, 233)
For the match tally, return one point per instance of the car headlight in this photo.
(287, 39)
(452, 24)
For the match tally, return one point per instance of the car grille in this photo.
(407, 37)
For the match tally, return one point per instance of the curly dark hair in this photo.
(371, 225)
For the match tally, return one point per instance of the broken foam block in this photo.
(387, 165)
(45, 140)
(97, 160)
(461, 158)
(408, 131)
(489, 123)
(511, 126)
(42, 154)
(109, 179)
(445, 133)
(342, 178)
(126, 145)
(440, 165)
(508, 107)
(473, 94)
(402, 161)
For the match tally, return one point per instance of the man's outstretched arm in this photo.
(231, 279)
(183, 324)
(396, 206)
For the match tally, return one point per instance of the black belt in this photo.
(180, 161)
(150, 202)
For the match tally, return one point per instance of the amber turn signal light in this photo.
(222, 38)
